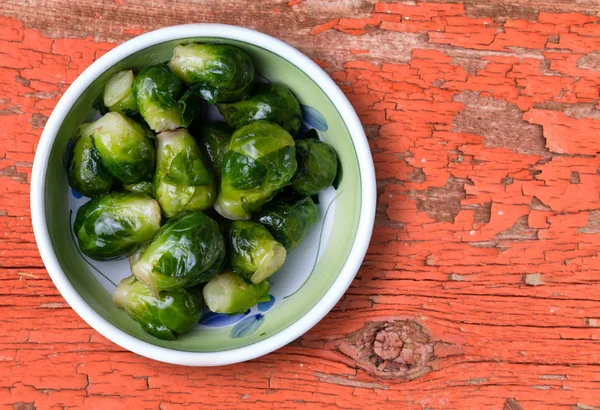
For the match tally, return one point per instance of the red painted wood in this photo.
(480, 288)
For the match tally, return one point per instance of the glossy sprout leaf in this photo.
(317, 166)
(157, 92)
(188, 250)
(181, 181)
(114, 225)
(270, 102)
(192, 105)
(254, 254)
(213, 139)
(209, 93)
(245, 172)
(118, 93)
(187, 168)
(261, 160)
(164, 314)
(226, 72)
(288, 220)
(125, 147)
(228, 293)
(86, 173)
(142, 187)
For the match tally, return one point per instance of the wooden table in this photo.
(481, 288)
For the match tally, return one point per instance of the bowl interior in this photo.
(309, 270)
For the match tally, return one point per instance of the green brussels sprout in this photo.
(161, 314)
(142, 187)
(181, 181)
(253, 253)
(260, 161)
(270, 102)
(192, 105)
(228, 293)
(224, 72)
(188, 250)
(213, 139)
(115, 224)
(125, 147)
(118, 94)
(99, 106)
(288, 220)
(157, 92)
(87, 175)
(317, 166)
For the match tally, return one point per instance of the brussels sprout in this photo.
(224, 72)
(115, 224)
(87, 175)
(118, 95)
(213, 139)
(157, 92)
(192, 105)
(142, 187)
(288, 220)
(253, 253)
(161, 314)
(125, 147)
(189, 249)
(317, 166)
(228, 293)
(181, 181)
(270, 102)
(99, 106)
(260, 161)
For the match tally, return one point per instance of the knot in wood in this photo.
(387, 345)
(400, 349)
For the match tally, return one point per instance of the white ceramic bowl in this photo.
(338, 247)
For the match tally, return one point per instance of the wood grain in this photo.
(480, 287)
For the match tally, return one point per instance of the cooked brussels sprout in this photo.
(260, 161)
(228, 293)
(125, 147)
(223, 72)
(161, 314)
(192, 105)
(157, 92)
(288, 220)
(189, 249)
(253, 253)
(87, 175)
(270, 102)
(118, 94)
(317, 166)
(115, 224)
(213, 139)
(142, 187)
(99, 106)
(181, 181)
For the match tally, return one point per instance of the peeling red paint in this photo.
(485, 141)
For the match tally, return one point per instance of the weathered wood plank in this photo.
(480, 286)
